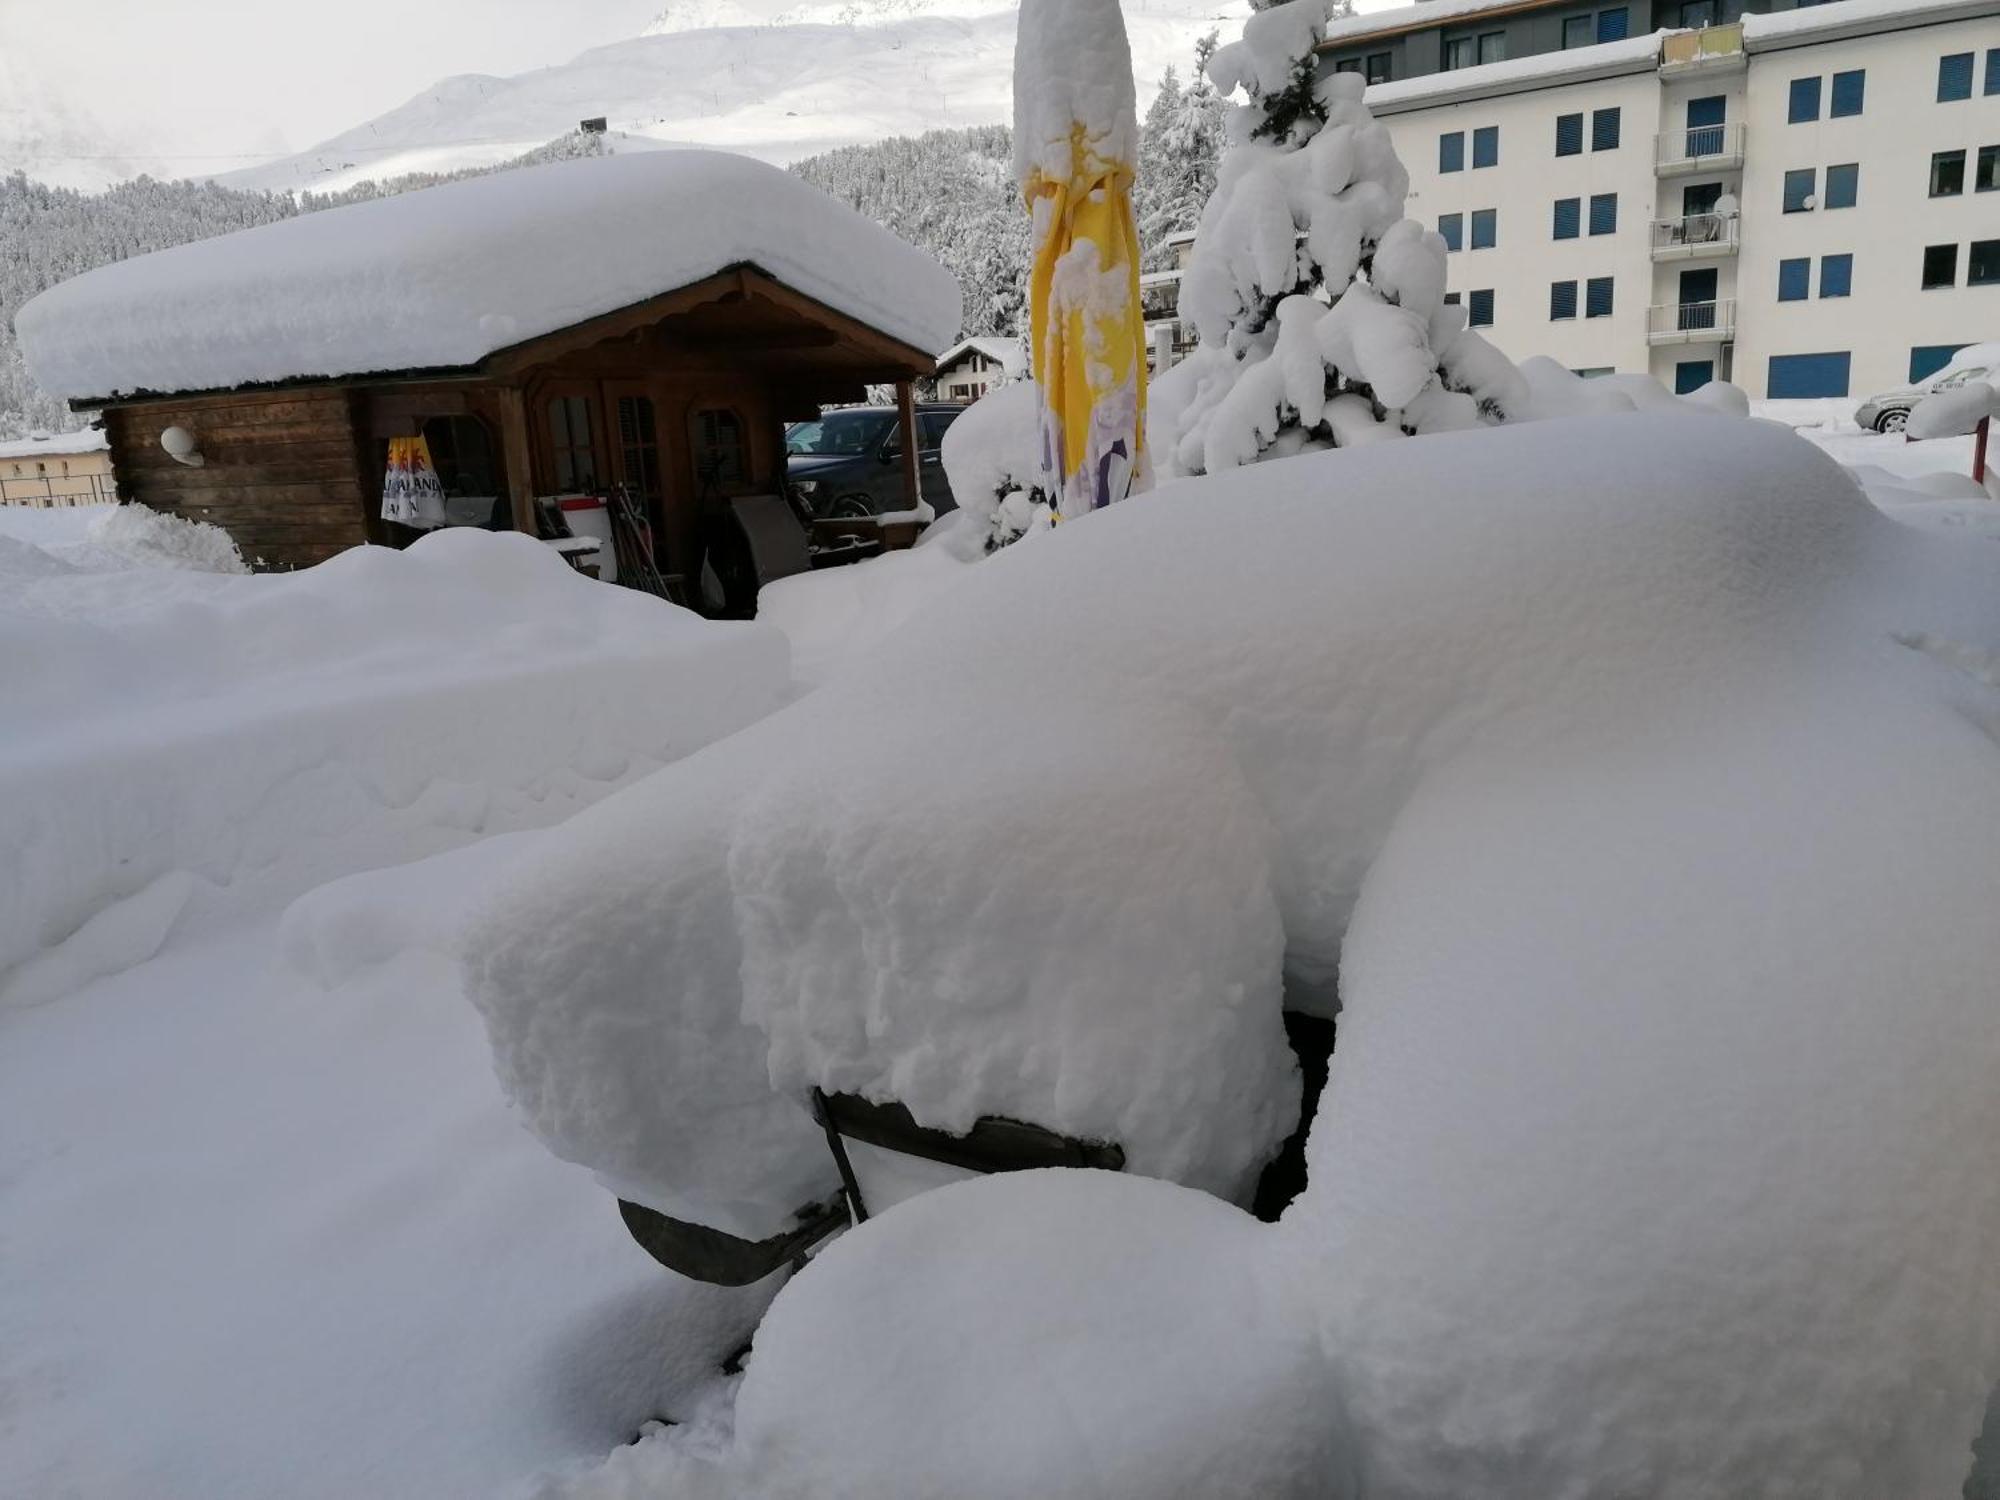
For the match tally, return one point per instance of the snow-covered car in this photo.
(1890, 411)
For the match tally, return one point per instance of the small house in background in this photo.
(971, 369)
(1169, 340)
(62, 469)
(651, 321)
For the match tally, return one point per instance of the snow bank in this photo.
(444, 277)
(264, 734)
(1047, 1338)
(1953, 413)
(992, 458)
(1659, 763)
(837, 617)
(110, 538)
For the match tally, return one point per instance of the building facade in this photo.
(972, 368)
(72, 468)
(1802, 199)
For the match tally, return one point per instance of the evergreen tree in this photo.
(1320, 307)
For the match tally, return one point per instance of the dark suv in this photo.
(849, 461)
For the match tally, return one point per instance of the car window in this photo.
(935, 424)
(846, 434)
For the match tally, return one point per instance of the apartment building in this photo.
(1802, 198)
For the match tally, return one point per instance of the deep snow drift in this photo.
(1654, 770)
(176, 738)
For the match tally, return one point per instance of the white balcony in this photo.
(1697, 237)
(1692, 323)
(1698, 148)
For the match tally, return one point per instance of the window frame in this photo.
(1949, 84)
(1563, 295)
(1606, 221)
(1490, 217)
(1847, 173)
(1614, 23)
(1847, 94)
(1928, 280)
(1588, 34)
(1804, 202)
(1495, 53)
(1378, 67)
(1948, 174)
(1451, 151)
(1454, 238)
(1986, 170)
(1601, 138)
(1982, 255)
(1844, 261)
(1803, 101)
(1595, 306)
(564, 446)
(1485, 146)
(1574, 121)
(1795, 278)
(1473, 304)
(1575, 219)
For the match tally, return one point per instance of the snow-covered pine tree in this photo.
(1320, 307)
(1180, 145)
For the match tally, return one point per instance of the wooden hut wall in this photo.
(281, 471)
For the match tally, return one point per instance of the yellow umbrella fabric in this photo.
(1076, 141)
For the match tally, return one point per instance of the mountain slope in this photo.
(783, 89)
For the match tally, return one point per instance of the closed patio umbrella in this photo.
(1076, 140)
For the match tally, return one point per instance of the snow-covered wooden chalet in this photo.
(652, 320)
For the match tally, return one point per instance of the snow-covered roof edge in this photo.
(1350, 29)
(1850, 18)
(443, 278)
(1637, 54)
(57, 444)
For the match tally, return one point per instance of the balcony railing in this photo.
(1710, 47)
(57, 490)
(1694, 237)
(1699, 148)
(1692, 322)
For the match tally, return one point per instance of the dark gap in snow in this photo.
(1312, 1039)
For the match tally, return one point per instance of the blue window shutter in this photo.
(1800, 377)
(1569, 135)
(1562, 300)
(1843, 185)
(1485, 228)
(1486, 146)
(1451, 152)
(1799, 189)
(1927, 359)
(1452, 227)
(1604, 129)
(1692, 375)
(1614, 25)
(1805, 100)
(1711, 109)
(1793, 276)
(1569, 218)
(1603, 213)
(1597, 297)
(1479, 306)
(1836, 275)
(1849, 93)
(1993, 70)
(1955, 77)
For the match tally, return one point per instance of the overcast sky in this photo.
(257, 78)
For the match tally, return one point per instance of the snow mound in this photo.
(444, 277)
(1031, 1334)
(268, 733)
(1661, 767)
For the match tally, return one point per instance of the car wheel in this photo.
(1893, 421)
(851, 508)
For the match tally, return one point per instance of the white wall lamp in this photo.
(181, 447)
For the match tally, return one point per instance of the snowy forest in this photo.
(949, 191)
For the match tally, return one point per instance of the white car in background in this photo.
(1890, 411)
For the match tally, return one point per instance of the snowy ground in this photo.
(266, 1224)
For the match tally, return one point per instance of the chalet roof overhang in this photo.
(814, 341)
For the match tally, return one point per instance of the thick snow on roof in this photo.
(56, 444)
(1406, 18)
(444, 277)
(1841, 14)
(1008, 353)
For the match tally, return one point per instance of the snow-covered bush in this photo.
(992, 460)
(1320, 307)
(1634, 775)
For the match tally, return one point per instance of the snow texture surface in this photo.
(1638, 778)
(255, 735)
(444, 277)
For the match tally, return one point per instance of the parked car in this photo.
(1890, 411)
(849, 461)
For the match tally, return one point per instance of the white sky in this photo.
(257, 78)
